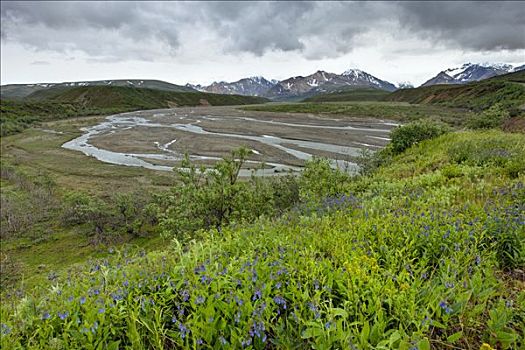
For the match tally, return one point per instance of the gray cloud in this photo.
(141, 30)
(490, 25)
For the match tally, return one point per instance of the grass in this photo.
(350, 95)
(403, 112)
(507, 90)
(43, 245)
(415, 255)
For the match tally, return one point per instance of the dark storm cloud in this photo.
(317, 29)
(475, 25)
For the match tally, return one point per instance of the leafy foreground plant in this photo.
(408, 258)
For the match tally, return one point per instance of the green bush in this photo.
(213, 198)
(489, 118)
(407, 135)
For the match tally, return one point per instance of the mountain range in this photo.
(299, 86)
(470, 72)
(294, 88)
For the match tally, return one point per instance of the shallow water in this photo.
(126, 121)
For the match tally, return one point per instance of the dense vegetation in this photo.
(424, 252)
(381, 110)
(61, 103)
(507, 90)
(349, 95)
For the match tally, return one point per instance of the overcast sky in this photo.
(201, 42)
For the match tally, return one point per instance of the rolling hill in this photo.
(19, 91)
(349, 95)
(60, 102)
(508, 89)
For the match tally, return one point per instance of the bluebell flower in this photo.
(257, 295)
(4, 329)
(183, 330)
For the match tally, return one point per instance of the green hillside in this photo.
(508, 90)
(349, 95)
(424, 253)
(65, 102)
(20, 91)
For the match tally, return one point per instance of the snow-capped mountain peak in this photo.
(470, 72)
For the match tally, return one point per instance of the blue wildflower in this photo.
(63, 315)
(46, 316)
(4, 329)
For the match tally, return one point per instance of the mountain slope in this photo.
(347, 95)
(470, 72)
(62, 102)
(253, 86)
(17, 91)
(508, 89)
(322, 82)
(137, 98)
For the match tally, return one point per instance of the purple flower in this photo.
(46, 316)
(185, 295)
(200, 299)
(126, 283)
(445, 307)
(101, 310)
(222, 340)
(63, 315)
(280, 301)
(82, 300)
(4, 329)
(200, 341)
(183, 330)
(257, 295)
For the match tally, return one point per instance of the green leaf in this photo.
(339, 312)
(455, 337)
(423, 344)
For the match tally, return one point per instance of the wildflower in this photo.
(199, 269)
(257, 330)
(63, 315)
(125, 283)
(445, 307)
(246, 343)
(328, 325)
(257, 295)
(199, 300)
(222, 340)
(101, 310)
(280, 301)
(82, 300)
(4, 329)
(200, 341)
(478, 260)
(183, 330)
(185, 295)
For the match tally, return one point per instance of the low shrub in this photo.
(407, 135)
(492, 117)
